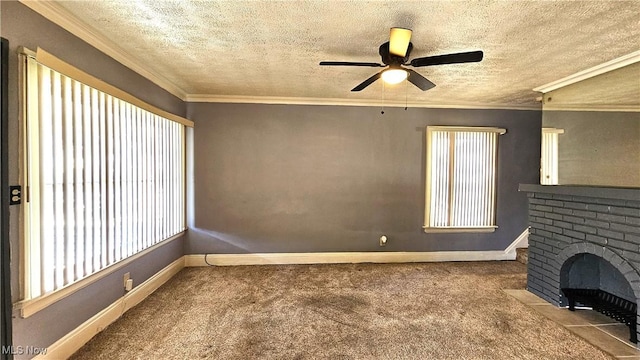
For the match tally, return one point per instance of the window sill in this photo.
(487, 229)
(32, 306)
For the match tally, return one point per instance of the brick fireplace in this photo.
(583, 237)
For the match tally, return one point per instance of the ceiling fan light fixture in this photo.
(394, 76)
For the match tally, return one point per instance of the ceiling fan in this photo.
(395, 56)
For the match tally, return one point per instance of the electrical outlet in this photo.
(16, 195)
(127, 276)
(383, 240)
(129, 285)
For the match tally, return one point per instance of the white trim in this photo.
(70, 343)
(546, 130)
(521, 241)
(30, 307)
(356, 257)
(453, 229)
(591, 107)
(239, 99)
(341, 258)
(483, 129)
(614, 64)
(344, 258)
(60, 16)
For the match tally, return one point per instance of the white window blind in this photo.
(105, 179)
(549, 156)
(461, 177)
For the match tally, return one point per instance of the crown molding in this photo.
(614, 64)
(237, 99)
(61, 17)
(592, 107)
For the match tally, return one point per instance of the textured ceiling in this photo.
(272, 48)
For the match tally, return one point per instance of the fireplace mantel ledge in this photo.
(602, 192)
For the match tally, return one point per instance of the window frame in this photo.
(30, 305)
(428, 180)
(549, 146)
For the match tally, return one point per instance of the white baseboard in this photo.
(343, 258)
(521, 242)
(70, 343)
(339, 258)
(356, 257)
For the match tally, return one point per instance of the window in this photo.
(461, 178)
(549, 156)
(105, 177)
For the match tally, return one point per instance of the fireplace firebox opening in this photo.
(591, 281)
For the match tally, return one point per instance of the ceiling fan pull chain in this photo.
(383, 87)
(406, 94)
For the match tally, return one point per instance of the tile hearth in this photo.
(597, 329)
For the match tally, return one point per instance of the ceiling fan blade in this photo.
(465, 57)
(420, 81)
(349, 63)
(367, 82)
(399, 39)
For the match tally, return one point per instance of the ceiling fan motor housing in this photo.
(392, 60)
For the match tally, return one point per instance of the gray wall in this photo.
(597, 148)
(285, 178)
(23, 27)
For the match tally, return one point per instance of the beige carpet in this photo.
(362, 311)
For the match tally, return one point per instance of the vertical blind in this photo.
(549, 156)
(105, 179)
(461, 177)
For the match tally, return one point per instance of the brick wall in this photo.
(560, 220)
(605, 222)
